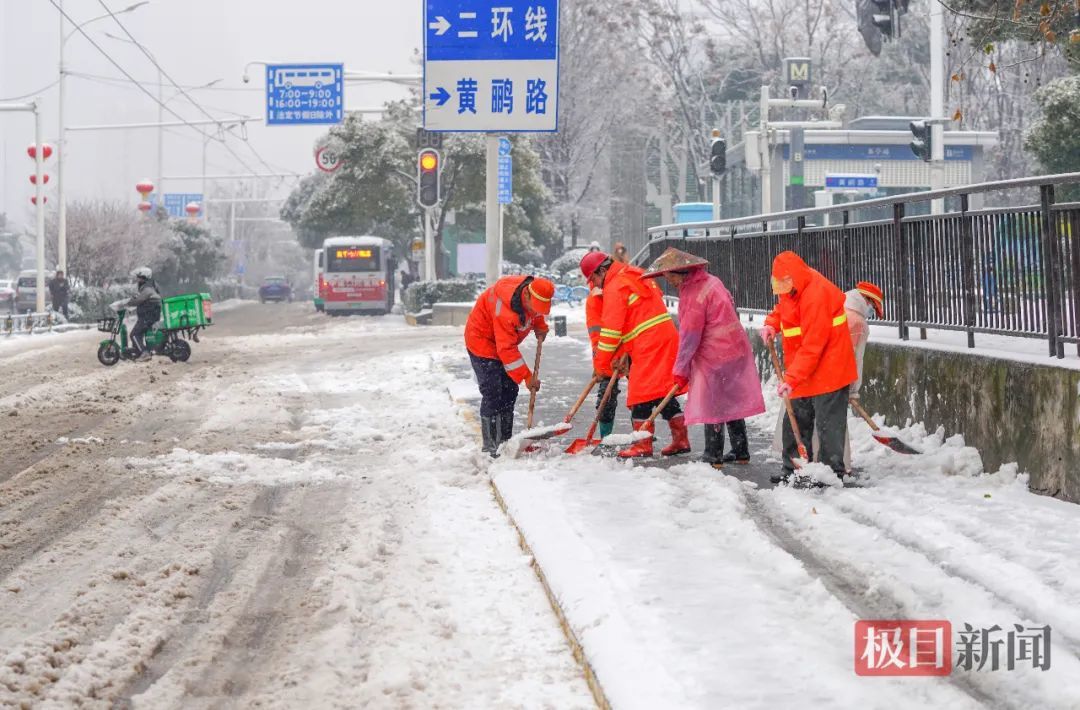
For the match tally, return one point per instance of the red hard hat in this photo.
(591, 262)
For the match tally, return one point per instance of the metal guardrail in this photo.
(1007, 271)
(26, 323)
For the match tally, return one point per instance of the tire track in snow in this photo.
(941, 561)
(846, 584)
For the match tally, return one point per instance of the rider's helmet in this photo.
(143, 272)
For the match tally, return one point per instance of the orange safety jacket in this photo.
(635, 320)
(594, 312)
(494, 330)
(818, 354)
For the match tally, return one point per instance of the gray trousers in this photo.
(826, 416)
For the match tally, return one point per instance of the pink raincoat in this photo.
(715, 354)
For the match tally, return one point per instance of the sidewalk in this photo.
(688, 587)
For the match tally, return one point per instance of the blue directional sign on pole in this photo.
(304, 94)
(506, 173)
(491, 65)
(175, 203)
(851, 182)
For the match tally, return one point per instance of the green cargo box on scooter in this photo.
(190, 310)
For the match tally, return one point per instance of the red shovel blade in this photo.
(895, 444)
(580, 445)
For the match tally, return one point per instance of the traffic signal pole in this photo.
(429, 245)
(937, 102)
(493, 227)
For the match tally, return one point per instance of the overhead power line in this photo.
(142, 88)
(181, 89)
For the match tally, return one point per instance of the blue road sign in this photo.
(851, 182)
(506, 179)
(491, 65)
(176, 202)
(505, 146)
(305, 94)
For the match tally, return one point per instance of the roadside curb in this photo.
(576, 648)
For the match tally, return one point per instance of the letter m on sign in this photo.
(798, 71)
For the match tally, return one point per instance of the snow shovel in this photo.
(536, 376)
(803, 457)
(579, 445)
(892, 442)
(565, 425)
(642, 434)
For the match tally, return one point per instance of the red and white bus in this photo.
(358, 275)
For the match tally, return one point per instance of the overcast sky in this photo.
(195, 41)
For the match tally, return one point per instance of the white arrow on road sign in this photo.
(440, 25)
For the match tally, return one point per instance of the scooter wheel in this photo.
(108, 354)
(181, 351)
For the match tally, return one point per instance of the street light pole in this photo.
(61, 148)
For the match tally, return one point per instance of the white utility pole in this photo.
(766, 153)
(61, 142)
(493, 227)
(39, 197)
(61, 149)
(429, 244)
(937, 102)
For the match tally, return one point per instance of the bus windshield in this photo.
(352, 259)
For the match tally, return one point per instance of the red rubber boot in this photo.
(641, 448)
(680, 438)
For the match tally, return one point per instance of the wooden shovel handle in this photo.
(787, 402)
(532, 392)
(581, 399)
(663, 403)
(862, 413)
(600, 409)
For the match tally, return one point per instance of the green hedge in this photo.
(424, 294)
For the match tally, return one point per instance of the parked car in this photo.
(275, 288)
(7, 295)
(26, 291)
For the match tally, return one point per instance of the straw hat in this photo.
(673, 260)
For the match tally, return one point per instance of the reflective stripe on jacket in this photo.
(494, 330)
(818, 355)
(636, 321)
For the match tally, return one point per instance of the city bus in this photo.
(358, 275)
(317, 274)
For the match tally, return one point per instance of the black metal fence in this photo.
(1008, 271)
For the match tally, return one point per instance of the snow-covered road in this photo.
(300, 518)
(296, 518)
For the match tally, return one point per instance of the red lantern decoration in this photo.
(144, 187)
(34, 200)
(145, 206)
(192, 210)
(46, 151)
(44, 179)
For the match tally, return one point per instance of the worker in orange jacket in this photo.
(594, 310)
(502, 318)
(819, 359)
(635, 319)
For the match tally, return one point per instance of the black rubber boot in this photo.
(714, 445)
(506, 426)
(783, 477)
(489, 428)
(740, 443)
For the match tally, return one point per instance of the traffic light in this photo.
(718, 156)
(922, 143)
(428, 167)
(880, 20)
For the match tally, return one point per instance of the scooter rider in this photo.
(147, 304)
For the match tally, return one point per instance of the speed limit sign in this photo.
(327, 160)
